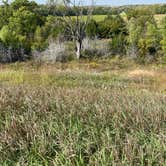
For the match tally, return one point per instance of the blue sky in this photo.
(119, 2)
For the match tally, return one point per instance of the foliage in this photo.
(18, 34)
(26, 26)
(111, 26)
(29, 5)
(118, 45)
(144, 36)
(5, 13)
(163, 41)
(92, 29)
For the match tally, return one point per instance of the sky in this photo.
(119, 2)
(113, 2)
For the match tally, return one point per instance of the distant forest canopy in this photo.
(26, 26)
(105, 10)
(98, 10)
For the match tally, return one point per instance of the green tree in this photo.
(143, 36)
(29, 5)
(153, 38)
(12, 42)
(118, 45)
(5, 14)
(52, 28)
(163, 40)
(23, 23)
(19, 33)
(92, 29)
(134, 31)
(39, 42)
(111, 26)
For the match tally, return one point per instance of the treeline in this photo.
(101, 10)
(26, 27)
(53, 10)
(155, 9)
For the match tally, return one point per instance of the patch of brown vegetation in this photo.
(141, 73)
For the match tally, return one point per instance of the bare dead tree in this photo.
(76, 25)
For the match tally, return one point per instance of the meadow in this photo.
(159, 17)
(103, 112)
(98, 18)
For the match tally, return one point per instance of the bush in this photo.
(91, 29)
(118, 45)
(111, 27)
(10, 54)
(56, 52)
(95, 48)
(144, 38)
(163, 40)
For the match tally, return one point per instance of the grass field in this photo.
(160, 17)
(99, 18)
(88, 113)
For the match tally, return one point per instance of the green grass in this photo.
(97, 18)
(87, 113)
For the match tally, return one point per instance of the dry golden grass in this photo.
(141, 73)
(159, 17)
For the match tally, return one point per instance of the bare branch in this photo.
(77, 24)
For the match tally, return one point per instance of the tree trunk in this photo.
(79, 49)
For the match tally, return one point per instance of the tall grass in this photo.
(81, 118)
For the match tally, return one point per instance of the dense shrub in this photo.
(163, 41)
(118, 45)
(143, 37)
(18, 33)
(10, 54)
(56, 52)
(92, 29)
(111, 26)
(95, 48)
